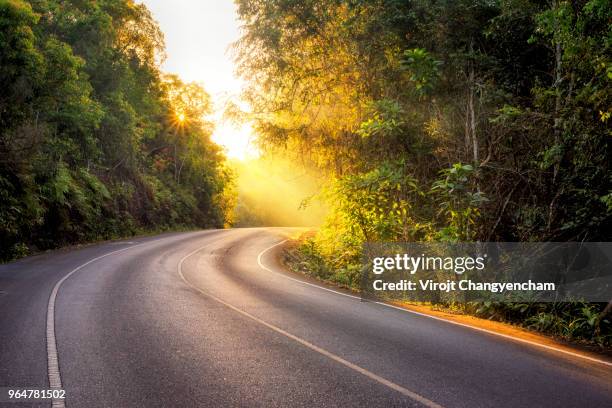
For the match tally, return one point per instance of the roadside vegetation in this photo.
(585, 323)
(452, 120)
(95, 142)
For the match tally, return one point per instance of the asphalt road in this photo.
(193, 320)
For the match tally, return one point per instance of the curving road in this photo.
(194, 320)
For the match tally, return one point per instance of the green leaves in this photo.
(386, 118)
(384, 204)
(378, 203)
(458, 202)
(85, 124)
(507, 114)
(20, 62)
(422, 68)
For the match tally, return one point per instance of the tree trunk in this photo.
(557, 87)
(471, 139)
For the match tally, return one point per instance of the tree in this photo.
(85, 119)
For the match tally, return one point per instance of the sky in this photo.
(198, 35)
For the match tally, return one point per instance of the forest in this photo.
(95, 141)
(404, 120)
(441, 120)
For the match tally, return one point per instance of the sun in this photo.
(178, 120)
(206, 62)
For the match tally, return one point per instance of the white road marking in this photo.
(262, 266)
(404, 391)
(55, 379)
(52, 354)
(53, 370)
(506, 336)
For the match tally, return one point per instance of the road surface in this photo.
(194, 320)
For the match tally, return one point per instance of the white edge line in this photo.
(404, 391)
(506, 336)
(262, 266)
(53, 371)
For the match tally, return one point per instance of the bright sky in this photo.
(198, 34)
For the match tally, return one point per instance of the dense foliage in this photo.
(453, 120)
(94, 141)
